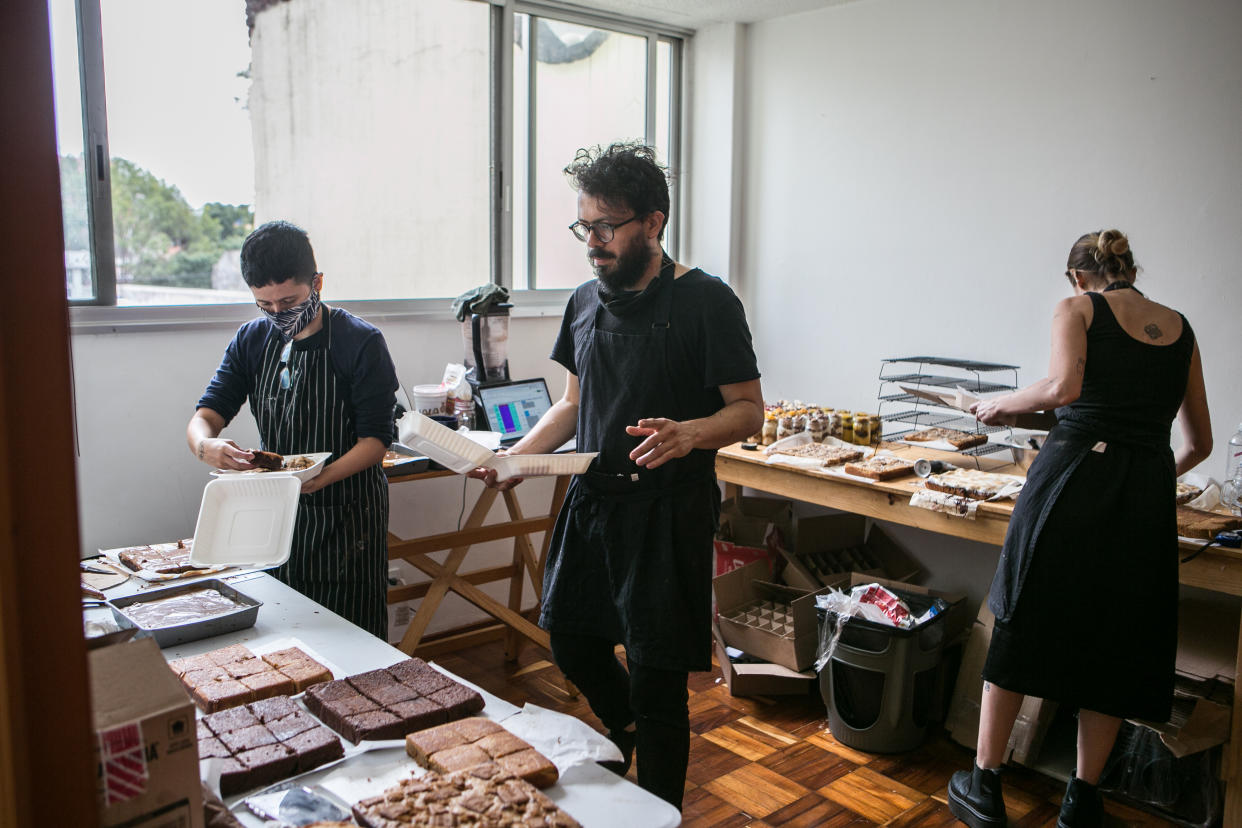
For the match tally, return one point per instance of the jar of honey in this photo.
(847, 426)
(862, 429)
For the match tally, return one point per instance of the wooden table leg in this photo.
(1232, 772)
(440, 587)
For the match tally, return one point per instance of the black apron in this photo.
(630, 558)
(340, 541)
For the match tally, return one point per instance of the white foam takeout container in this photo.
(318, 458)
(246, 520)
(443, 445)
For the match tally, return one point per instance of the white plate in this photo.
(246, 520)
(539, 465)
(317, 458)
(448, 448)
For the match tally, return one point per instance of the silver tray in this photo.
(239, 619)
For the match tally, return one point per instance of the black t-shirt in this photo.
(709, 340)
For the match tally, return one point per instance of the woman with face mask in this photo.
(318, 379)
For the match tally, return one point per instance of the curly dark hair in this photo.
(275, 252)
(622, 174)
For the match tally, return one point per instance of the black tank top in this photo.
(1131, 390)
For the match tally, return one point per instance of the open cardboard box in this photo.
(826, 549)
(750, 529)
(788, 637)
(1034, 717)
(763, 679)
(146, 739)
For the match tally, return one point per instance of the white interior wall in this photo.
(915, 173)
(138, 483)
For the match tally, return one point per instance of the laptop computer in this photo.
(512, 408)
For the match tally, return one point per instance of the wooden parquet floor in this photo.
(772, 761)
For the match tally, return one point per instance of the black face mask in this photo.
(292, 321)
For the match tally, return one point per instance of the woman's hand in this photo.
(488, 476)
(993, 412)
(224, 454)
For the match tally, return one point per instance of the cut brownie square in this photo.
(458, 701)
(233, 777)
(279, 658)
(458, 758)
(419, 714)
(246, 667)
(204, 732)
(203, 675)
(315, 747)
(247, 738)
(234, 652)
(424, 743)
(211, 748)
(328, 691)
(291, 725)
(420, 675)
(373, 724)
(268, 684)
(268, 764)
(306, 673)
(474, 728)
(219, 695)
(227, 721)
(530, 765)
(278, 707)
(189, 664)
(501, 744)
(382, 688)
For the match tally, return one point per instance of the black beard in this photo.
(628, 268)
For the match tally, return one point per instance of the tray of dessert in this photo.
(160, 561)
(186, 612)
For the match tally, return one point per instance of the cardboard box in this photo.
(752, 529)
(1034, 717)
(827, 548)
(765, 679)
(146, 740)
(784, 633)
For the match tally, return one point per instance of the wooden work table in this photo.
(1216, 569)
(445, 577)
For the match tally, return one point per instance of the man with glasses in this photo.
(318, 380)
(661, 373)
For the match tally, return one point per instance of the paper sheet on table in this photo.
(1209, 499)
(958, 398)
(565, 740)
(802, 438)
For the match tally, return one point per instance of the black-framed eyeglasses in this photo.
(603, 230)
(286, 379)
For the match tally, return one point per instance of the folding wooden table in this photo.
(446, 578)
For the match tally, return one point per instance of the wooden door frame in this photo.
(46, 738)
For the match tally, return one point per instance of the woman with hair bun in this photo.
(1085, 593)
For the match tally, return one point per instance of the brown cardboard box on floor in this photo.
(1034, 717)
(763, 679)
(146, 739)
(751, 529)
(826, 548)
(769, 621)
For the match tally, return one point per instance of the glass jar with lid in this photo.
(862, 429)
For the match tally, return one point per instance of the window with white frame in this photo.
(420, 144)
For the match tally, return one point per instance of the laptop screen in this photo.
(513, 408)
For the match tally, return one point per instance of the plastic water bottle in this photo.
(1234, 455)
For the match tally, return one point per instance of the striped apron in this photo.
(340, 541)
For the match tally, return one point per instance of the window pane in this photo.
(67, 90)
(179, 135)
(520, 179)
(371, 130)
(590, 89)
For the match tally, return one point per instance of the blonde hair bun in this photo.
(1112, 243)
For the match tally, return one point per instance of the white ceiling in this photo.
(696, 14)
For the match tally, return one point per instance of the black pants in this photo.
(654, 700)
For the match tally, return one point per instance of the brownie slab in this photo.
(315, 747)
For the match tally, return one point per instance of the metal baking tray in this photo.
(239, 619)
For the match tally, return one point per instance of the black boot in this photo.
(624, 740)
(975, 798)
(1082, 807)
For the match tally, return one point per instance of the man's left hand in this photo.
(666, 440)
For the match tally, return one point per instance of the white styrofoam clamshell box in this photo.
(246, 520)
(442, 444)
(535, 465)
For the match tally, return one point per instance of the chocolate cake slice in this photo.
(315, 747)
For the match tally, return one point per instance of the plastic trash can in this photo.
(880, 682)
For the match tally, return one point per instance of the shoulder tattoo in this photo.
(1152, 330)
